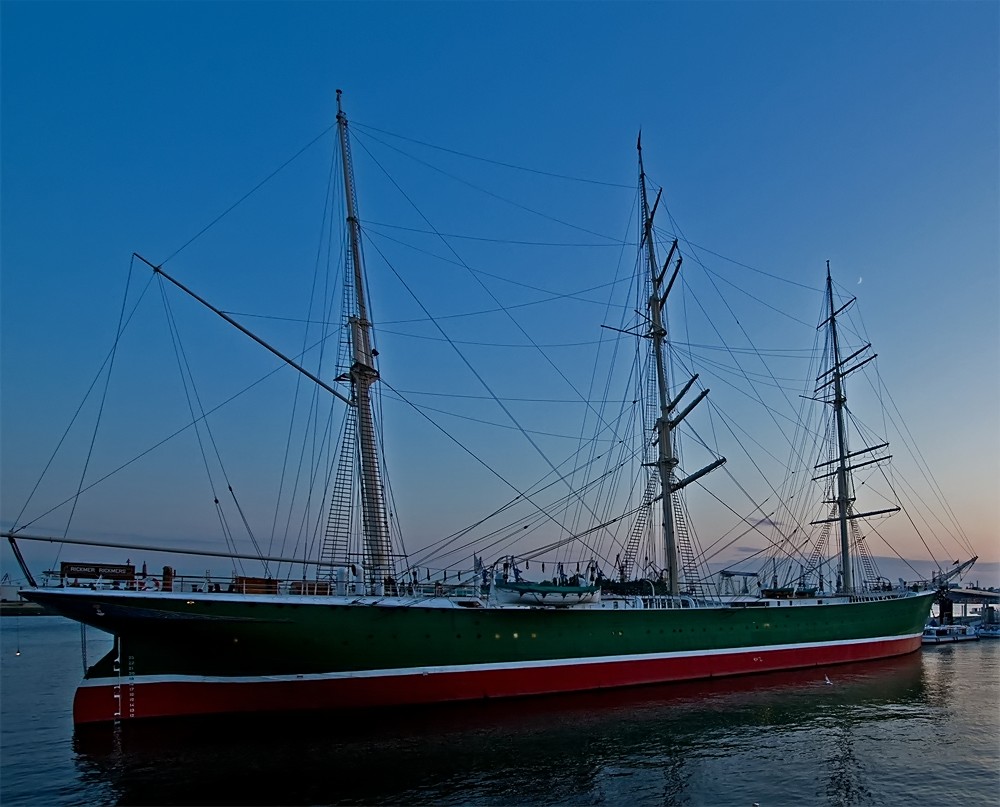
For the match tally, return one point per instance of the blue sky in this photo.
(785, 134)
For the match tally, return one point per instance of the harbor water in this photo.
(920, 729)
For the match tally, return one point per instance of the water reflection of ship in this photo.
(563, 744)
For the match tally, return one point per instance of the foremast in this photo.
(666, 462)
(363, 374)
(845, 498)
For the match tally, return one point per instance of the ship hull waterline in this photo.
(175, 656)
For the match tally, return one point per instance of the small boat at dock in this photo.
(946, 634)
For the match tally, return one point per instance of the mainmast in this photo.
(363, 375)
(844, 493)
(665, 462)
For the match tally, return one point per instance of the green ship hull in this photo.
(181, 654)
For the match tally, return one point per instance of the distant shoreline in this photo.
(23, 609)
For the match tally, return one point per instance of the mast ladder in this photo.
(639, 527)
(652, 480)
(336, 540)
(685, 551)
(863, 553)
(819, 548)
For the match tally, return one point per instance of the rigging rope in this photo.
(76, 414)
(325, 304)
(492, 195)
(100, 409)
(487, 160)
(247, 195)
(462, 356)
(185, 372)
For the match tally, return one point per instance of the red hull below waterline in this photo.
(159, 696)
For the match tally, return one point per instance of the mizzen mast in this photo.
(665, 461)
(844, 500)
(363, 374)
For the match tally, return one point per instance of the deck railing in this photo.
(237, 584)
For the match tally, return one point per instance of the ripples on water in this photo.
(924, 728)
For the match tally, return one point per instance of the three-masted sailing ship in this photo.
(366, 630)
